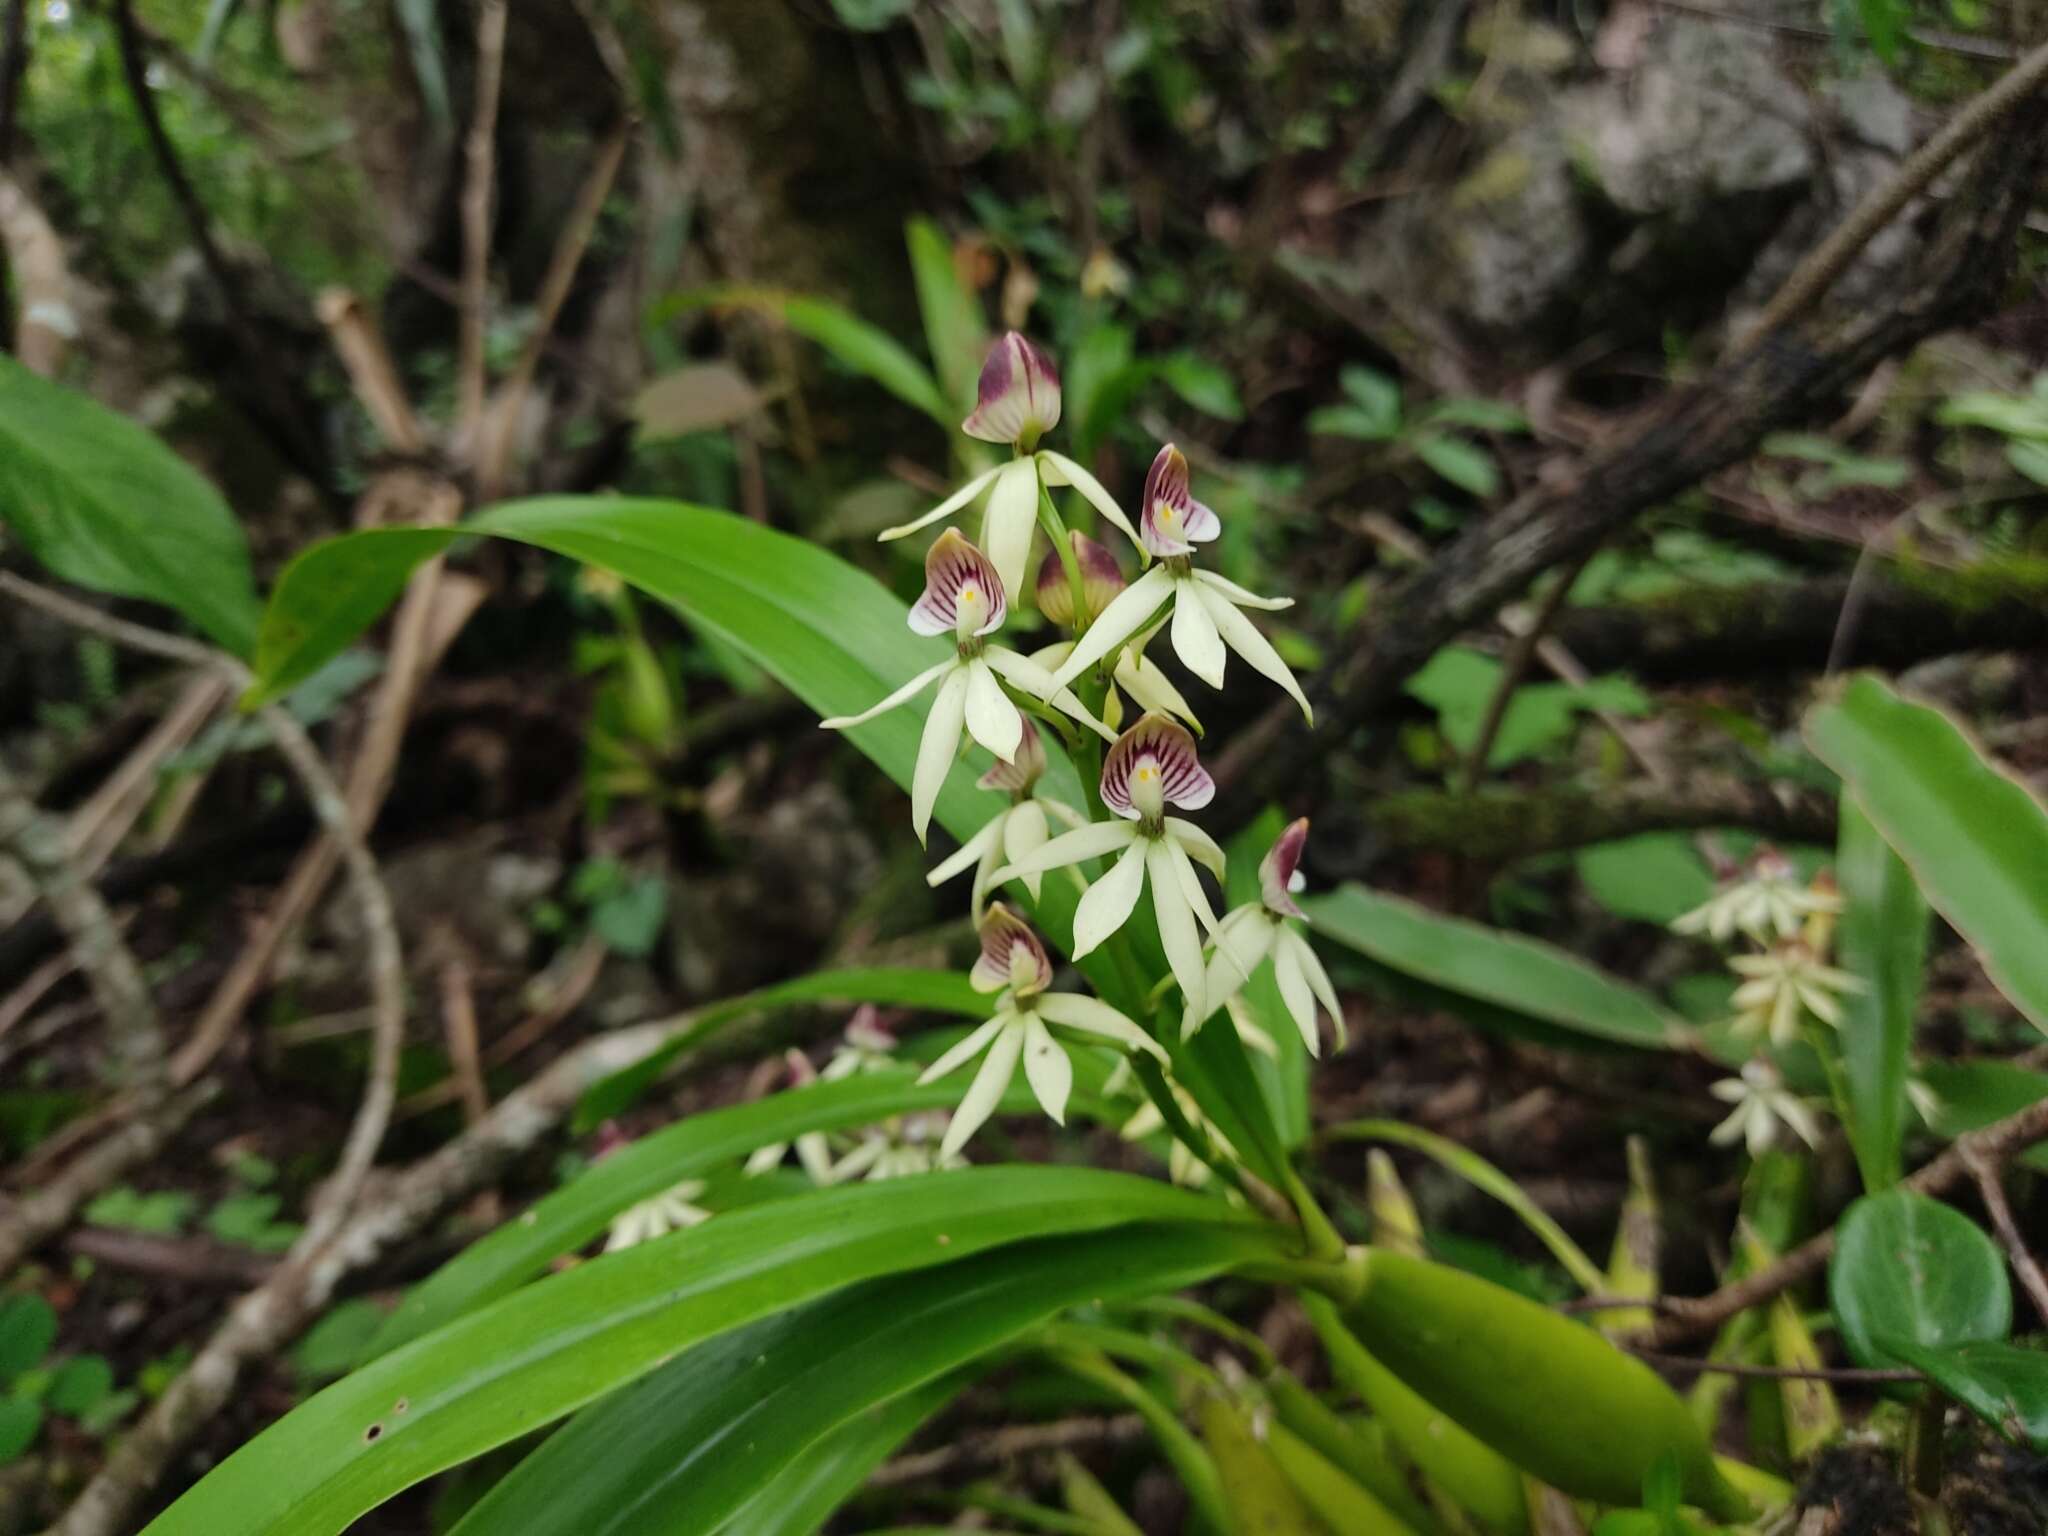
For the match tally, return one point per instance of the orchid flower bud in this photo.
(1171, 521)
(1024, 769)
(1280, 870)
(1019, 397)
(1101, 579)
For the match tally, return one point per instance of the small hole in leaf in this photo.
(370, 1435)
(401, 1405)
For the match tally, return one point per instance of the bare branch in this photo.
(479, 150)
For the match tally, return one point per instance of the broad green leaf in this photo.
(1974, 838)
(521, 1248)
(1655, 876)
(1504, 971)
(2004, 1384)
(1202, 384)
(1467, 467)
(677, 1452)
(101, 502)
(28, 1327)
(799, 1502)
(954, 329)
(859, 346)
(1910, 1270)
(1960, 1096)
(888, 986)
(518, 1364)
(21, 1418)
(81, 1384)
(1459, 684)
(1483, 1176)
(1098, 379)
(1376, 395)
(1881, 940)
(831, 633)
(1481, 415)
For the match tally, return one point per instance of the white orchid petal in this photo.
(946, 508)
(1142, 679)
(1098, 498)
(1027, 675)
(1243, 597)
(1295, 993)
(1132, 610)
(937, 749)
(1199, 844)
(1091, 841)
(1318, 980)
(985, 873)
(1092, 1016)
(1177, 933)
(964, 1050)
(991, 718)
(1047, 1069)
(1107, 904)
(1024, 833)
(1008, 520)
(903, 695)
(967, 854)
(1243, 637)
(1190, 884)
(1195, 639)
(1242, 942)
(986, 1092)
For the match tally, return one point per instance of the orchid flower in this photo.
(1785, 983)
(1013, 833)
(1015, 965)
(1271, 927)
(1183, 1167)
(1769, 902)
(670, 1211)
(865, 1047)
(1101, 581)
(1207, 619)
(901, 1147)
(1762, 1104)
(1018, 401)
(963, 593)
(1153, 765)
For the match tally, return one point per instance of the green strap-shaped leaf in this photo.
(103, 503)
(676, 1453)
(1975, 839)
(1509, 976)
(2004, 1384)
(525, 1360)
(1882, 941)
(953, 324)
(890, 986)
(802, 1499)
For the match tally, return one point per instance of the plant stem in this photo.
(1923, 1443)
(1063, 546)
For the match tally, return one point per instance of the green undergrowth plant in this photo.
(758, 1333)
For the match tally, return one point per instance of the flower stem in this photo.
(1049, 520)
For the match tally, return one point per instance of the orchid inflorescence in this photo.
(1001, 699)
(1785, 990)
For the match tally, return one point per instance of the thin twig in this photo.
(1012, 1442)
(135, 1033)
(97, 827)
(1827, 261)
(1994, 1144)
(1991, 1185)
(458, 1022)
(501, 425)
(80, 615)
(1515, 666)
(371, 372)
(1847, 1375)
(479, 150)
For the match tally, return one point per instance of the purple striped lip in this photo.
(959, 581)
(1101, 579)
(1171, 521)
(1153, 765)
(1011, 955)
(1025, 767)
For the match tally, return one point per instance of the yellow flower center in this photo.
(1148, 791)
(1166, 513)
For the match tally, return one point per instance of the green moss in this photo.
(1985, 584)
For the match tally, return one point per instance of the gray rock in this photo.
(1512, 237)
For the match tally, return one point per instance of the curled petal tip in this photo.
(1018, 399)
(1280, 870)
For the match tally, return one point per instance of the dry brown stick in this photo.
(1010, 1443)
(1847, 1375)
(501, 423)
(97, 827)
(458, 1020)
(387, 974)
(1514, 666)
(46, 321)
(371, 373)
(479, 171)
(1827, 261)
(139, 637)
(582, 973)
(1991, 1185)
(369, 778)
(134, 1031)
(50, 1208)
(197, 1260)
(1994, 1145)
(16, 1005)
